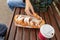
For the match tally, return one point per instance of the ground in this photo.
(5, 13)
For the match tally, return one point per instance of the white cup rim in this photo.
(45, 33)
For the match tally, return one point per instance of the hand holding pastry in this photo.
(28, 8)
(37, 16)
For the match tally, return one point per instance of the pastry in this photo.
(25, 20)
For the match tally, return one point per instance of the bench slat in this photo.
(19, 34)
(56, 15)
(26, 33)
(32, 34)
(13, 27)
(37, 31)
(53, 23)
(9, 28)
(47, 20)
(42, 15)
(58, 5)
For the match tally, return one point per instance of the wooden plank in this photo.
(26, 34)
(56, 20)
(22, 11)
(9, 28)
(58, 5)
(42, 15)
(45, 15)
(17, 11)
(13, 28)
(19, 34)
(47, 18)
(12, 32)
(53, 23)
(32, 34)
(56, 15)
(37, 32)
(49, 12)
(54, 38)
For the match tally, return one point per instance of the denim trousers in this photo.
(13, 4)
(3, 30)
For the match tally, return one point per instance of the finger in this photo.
(28, 12)
(31, 7)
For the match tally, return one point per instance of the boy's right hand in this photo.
(28, 7)
(27, 11)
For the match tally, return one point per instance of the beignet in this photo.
(25, 20)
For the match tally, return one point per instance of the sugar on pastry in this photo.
(27, 20)
(35, 22)
(19, 20)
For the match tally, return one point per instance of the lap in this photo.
(16, 3)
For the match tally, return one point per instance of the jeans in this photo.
(13, 4)
(3, 30)
(1, 38)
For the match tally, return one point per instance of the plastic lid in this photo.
(47, 31)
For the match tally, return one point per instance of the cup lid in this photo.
(47, 31)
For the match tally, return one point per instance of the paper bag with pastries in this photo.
(29, 21)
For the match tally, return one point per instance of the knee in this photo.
(9, 3)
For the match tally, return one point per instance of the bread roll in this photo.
(19, 20)
(27, 19)
(34, 22)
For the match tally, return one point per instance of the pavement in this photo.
(5, 13)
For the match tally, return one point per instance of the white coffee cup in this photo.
(47, 31)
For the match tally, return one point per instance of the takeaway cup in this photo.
(46, 32)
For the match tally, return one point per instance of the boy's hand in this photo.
(28, 8)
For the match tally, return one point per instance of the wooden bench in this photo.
(58, 5)
(51, 17)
